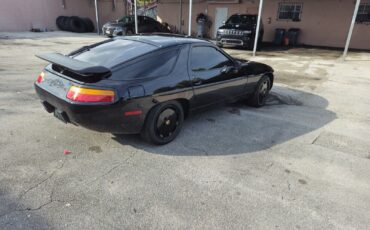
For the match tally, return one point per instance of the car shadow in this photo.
(237, 128)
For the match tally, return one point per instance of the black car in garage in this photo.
(147, 84)
(240, 31)
(126, 26)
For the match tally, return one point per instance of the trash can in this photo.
(279, 36)
(201, 32)
(293, 34)
(202, 23)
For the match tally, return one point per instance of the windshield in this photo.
(241, 19)
(126, 19)
(114, 52)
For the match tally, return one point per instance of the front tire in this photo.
(261, 92)
(163, 123)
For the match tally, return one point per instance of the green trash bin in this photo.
(293, 34)
(279, 36)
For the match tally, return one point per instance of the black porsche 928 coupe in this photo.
(146, 84)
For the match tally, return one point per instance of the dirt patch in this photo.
(298, 79)
(301, 181)
(343, 143)
(61, 43)
(27, 44)
(6, 112)
(96, 149)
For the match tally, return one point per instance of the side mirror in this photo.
(223, 22)
(229, 69)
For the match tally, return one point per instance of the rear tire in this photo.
(261, 92)
(163, 123)
(129, 32)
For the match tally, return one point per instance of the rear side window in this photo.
(114, 52)
(155, 65)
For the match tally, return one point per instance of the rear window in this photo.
(114, 52)
(155, 65)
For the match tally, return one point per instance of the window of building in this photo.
(290, 11)
(363, 15)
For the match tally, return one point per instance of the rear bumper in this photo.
(102, 118)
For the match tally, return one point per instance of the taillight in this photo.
(40, 78)
(90, 95)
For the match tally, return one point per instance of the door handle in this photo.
(197, 81)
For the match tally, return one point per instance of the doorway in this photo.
(220, 17)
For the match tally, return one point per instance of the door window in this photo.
(207, 58)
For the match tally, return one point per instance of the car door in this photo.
(215, 76)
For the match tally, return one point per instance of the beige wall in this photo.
(22, 15)
(170, 12)
(323, 22)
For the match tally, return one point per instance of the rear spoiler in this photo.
(80, 67)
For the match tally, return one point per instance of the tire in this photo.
(129, 32)
(163, 123)
(261, 92)
(77, 25)
(65, 24)
(89, 25)
(61, 22)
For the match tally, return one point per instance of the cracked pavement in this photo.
(301, 162)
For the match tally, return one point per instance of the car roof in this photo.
(164, 40)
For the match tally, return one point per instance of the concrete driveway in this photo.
(301, 162)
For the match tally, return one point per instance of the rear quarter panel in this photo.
(175, 85)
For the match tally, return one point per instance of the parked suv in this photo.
(126, 26)
(239, 30)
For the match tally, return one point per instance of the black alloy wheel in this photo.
(261, 92)
(163, 123)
